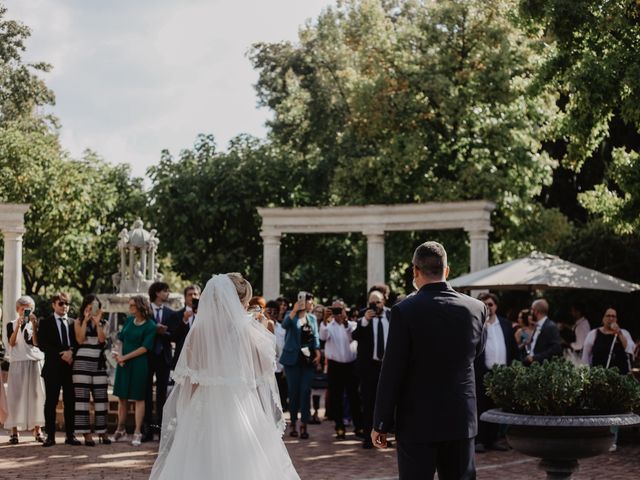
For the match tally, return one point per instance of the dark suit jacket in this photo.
(169, 319)
(510, 344)
(548, 343)
(49, 342)
(179, 334)
(427, 379)
(364, 337)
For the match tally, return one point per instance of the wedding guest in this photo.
(25, 388)
(319, 383)
(337, 332)
(500, 349)
(284, 305)
(132, 373)
(90, 377)
(256, 306)
(546, 342)
(160, 358)
(272, 311)
(57, 339)
(581, 327)
(608, 345)
(524, 332)
(300, 356)
(371, 334)
(186, 316)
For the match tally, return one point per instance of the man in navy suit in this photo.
(184, 319)
(546, 342)
(160, 357)
(500, 349)
(427, 382)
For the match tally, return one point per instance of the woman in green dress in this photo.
(137, 338)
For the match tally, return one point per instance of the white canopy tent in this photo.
(540, 271)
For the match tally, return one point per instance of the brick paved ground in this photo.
(318, 458)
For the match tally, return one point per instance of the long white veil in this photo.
(225, 347)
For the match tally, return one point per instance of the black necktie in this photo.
(380, 346)
(63, 329)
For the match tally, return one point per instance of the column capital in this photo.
(271, 237)
(479, 234)
(12, 231)
(374, 233)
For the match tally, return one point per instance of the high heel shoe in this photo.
(119, 435)
(137, 439)
(104, 439)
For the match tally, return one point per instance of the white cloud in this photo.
(132, 78)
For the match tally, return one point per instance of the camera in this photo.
(336, 310)
(95, 306)
(302, 296)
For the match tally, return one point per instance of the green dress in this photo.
(131, 380)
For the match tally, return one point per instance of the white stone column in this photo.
(375, 257)
(271, 266)
(11, 274)
(479, 240)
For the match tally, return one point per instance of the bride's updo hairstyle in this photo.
(243, 287)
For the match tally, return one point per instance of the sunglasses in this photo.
(63, 304)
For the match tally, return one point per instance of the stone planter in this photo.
(560, 441)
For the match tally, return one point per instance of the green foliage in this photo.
(559, 388)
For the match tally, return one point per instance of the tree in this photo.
(416, 101)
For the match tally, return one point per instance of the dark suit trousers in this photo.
(159, 367)
(342, 379)
(369, 377)
(487, 432)
(52, 386)
(453, 460)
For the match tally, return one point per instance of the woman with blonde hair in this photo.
(224, 413)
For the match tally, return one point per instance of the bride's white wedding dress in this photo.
(223, 419)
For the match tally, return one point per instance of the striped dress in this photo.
(90, 380)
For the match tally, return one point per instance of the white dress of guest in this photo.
(25, 387)
(581, 329)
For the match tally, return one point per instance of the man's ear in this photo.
(446, 272)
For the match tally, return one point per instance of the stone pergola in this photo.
(12, 229)
(373, 221)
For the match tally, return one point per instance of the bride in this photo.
(223, 418)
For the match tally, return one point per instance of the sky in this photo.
(134, 77)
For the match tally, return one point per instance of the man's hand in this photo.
(379, 439)
(369, 314)
(161, 329)
(528, 360)
(187, 315)
(67, 356)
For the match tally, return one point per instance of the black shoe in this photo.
(359, 432)
(497, 446)
(367, 444)
(49, 441)
(341, 434)
(303, 432)
(479, 448)
(72, 441)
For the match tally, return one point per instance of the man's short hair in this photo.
(431, 259)
(61, 296)
(194, 287)
(383, 288)
(156, 288)
(483, 296)
(541, 305)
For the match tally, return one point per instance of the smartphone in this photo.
(336, 310)
(302, 297)
(95, 306)
(194, 304)
(373, 306)
(27, 312)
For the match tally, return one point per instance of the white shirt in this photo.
(385, 331)
(66, 323)
(338, 338)
(495, 350)
(539, 325)
(581, 329)
(587, 350)
(281, 335)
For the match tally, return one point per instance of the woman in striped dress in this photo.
(90, 371)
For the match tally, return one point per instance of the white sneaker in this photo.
(137, 439)
(613, 448)
(119, 436)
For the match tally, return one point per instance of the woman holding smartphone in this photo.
(90, 371)
(25, 387)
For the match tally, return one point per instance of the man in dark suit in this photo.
(56, 338)
(427, 380)
(371, 334)
(160, 357)
(184, 319)
(546, 342)
(500, 349)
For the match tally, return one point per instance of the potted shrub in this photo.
(561, 413)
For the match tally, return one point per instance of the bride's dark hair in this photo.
(243, 287)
